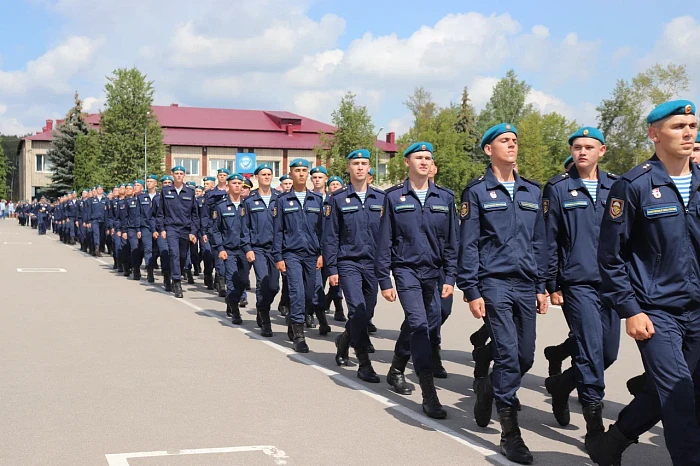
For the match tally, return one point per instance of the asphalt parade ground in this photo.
(99, 370)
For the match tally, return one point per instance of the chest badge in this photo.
(291, 202)
(402, 199)
(493, 194)
(347, 200)
(656, 193)
(229, 207)
(574, 193)
(257, 202)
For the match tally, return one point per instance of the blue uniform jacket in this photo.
(297, 228)
(259, 221)
(500, 237)
(211, 199)
(418, 237)
(573, 227)
(145, 213)
(85, 210)
(350, 228)
(178, 211)
(133, 213)
(650, 241)
(228, 226)
(97, 209)
(155, 207)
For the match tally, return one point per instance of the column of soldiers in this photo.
(601, 246)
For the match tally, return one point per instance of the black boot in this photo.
(235, 314)
(290, 333)
(114, 264)
(512, 445)
(555, 356)
(636, 384)
(396, 377)
(221, 286)
(258, 319)
(323, 327)
(560, 387)
(167, 284)
(339, 315)
(127, 270)
(310, 320)
(137, 273)
(342, 343)
(607, 449)
(120, 266)
(229, 314)
(243, 302)
(300, 345)
(439, 372)
(593, 414)
(150, 277)
(371, 328)
(190, 278)
(484, 400)
(266, 326)
(283, 310)
(197, 269)
(209, 281)
(479, 337)
(365, 371)
(482, 360)
(370, 348)
(177, 288)
(431, 403)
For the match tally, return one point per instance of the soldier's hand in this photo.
(281, 266)
(205, 239)
(557, 298)
(138, 234)
(478, 308)
(333, 279)
(155, 235)
(542, 304)
(447, 290)
(319, 262)
(193, 239)
(640, 327)
(223, 255)
(389, 295)
(250, 256)
(124, 236)
(162, 233)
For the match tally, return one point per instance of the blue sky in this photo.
(303, 56)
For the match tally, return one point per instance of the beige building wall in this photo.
(31, 178)
(189, 153)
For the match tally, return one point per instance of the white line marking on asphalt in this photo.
(16, 242)
(348, 382)
(41, 270)
(122, 459)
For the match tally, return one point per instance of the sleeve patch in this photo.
(464, 210)
(327, 210)
(545, 206)
(617, 208)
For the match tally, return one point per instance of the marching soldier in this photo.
(334, 294)
(97, 220)
(42, 215)
(213, 197)
(150, 245)
(283, 306)
(161, 242)
(207, 253)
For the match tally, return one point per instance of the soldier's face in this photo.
(319, 180)
(695, 157)
(208, 185)
(221, 177)
(358, 169)
(234, 187)
(198, 192)
(100, 191)
(419, 163)
(433, 172)
(503, 149)
(334, 186)
(151, 184)
(587, 152)
(179, 176)
(245, 191)
(675, 135)
(129, 190)
(122, 191)
(264, 178)
(287, 185)
(137, 189)
(299, 175)
(167, 183)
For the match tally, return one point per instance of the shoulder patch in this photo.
(464, 210)
(380, 191)
(617, 208)
(242, 211)
(445, 189)
(214, 215)
(475, 181)
(556, 179)
(637, 171)
(531, 181)
(545, 206)
(327, 210)
(274, 211)
(394, 188)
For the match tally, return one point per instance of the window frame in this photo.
(185, 161)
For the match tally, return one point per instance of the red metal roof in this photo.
(233, 138)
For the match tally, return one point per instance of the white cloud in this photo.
(11, 125)
(540, 31)
(621, 53)
(400, 125)
(481, 89)
(93, 104)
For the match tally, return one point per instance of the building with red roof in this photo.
(206, 139)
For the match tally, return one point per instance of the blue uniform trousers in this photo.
(147, 245)
(235, 266)
(41, 223)
(207, 256)
(511, 309)
(70, 228)
(116, 245)
(359, 284)
(319, 301)
(596, 335)
(445, 311)
(125, 250)
(98, 234)
(136, 247)
(284, 299)
(267, 279)
(416, 291)
(178, 245)
(301, 276)
(163, 253)
(670, 356)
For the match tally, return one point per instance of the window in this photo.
(191, 165)
(215, 164)
(382, 171)
(43, 164)
(275, 167)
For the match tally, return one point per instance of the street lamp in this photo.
(376, 154)
(145, 148)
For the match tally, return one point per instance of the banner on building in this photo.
(245, 162)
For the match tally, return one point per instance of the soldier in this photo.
(319, 178)
(352, 217)
(695, 157)
(502, 210)
(197, 264)
(334, 294)
(42, 215)
(134, 227)
(146, 228)
(417, 238)
(258, 245)
(213, 197)
(111, 217)
(296, 250)
(161, 242)
(650, 275)
(178, 223)
(97, 220)
(283, 305)
(207, 253)
(573, 205)
(124, 223)
(228, 239)
(245, 192)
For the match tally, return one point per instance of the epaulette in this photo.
(637, 171)
(475, 181)
(535, 183)
(341, 190)
(448, 190)
(556, 179)
(613, 176)
(316, 194)
(381, 191)
(394, 188)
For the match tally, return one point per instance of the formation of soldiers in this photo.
(601, 246)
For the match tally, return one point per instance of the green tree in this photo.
(9, 145)
(88, 171)
(467, 125)
(354, 131)
(62, 151)
(129, 97)
(507, 103)
(3, 173)
(659, 84)
(555, 130)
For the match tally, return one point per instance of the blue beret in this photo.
(697, 139)
(190, 183)
(418, 147)
(129, 185)
(98, 186)
(359, 154)
(85, 190)
(371, 172)
(247, 182)
(299, 163)
(73, 192)
(235, 176)
(209, 178)
(495, 131)
(140, 182)
(121, 185)
(263, 166)
(166, 178)
(284, 177)
(178, 168)
(319, 170)
(223, 170)
(335, 178)
(587, 132)
(152, 177)
(568, 160)
(674, 107)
